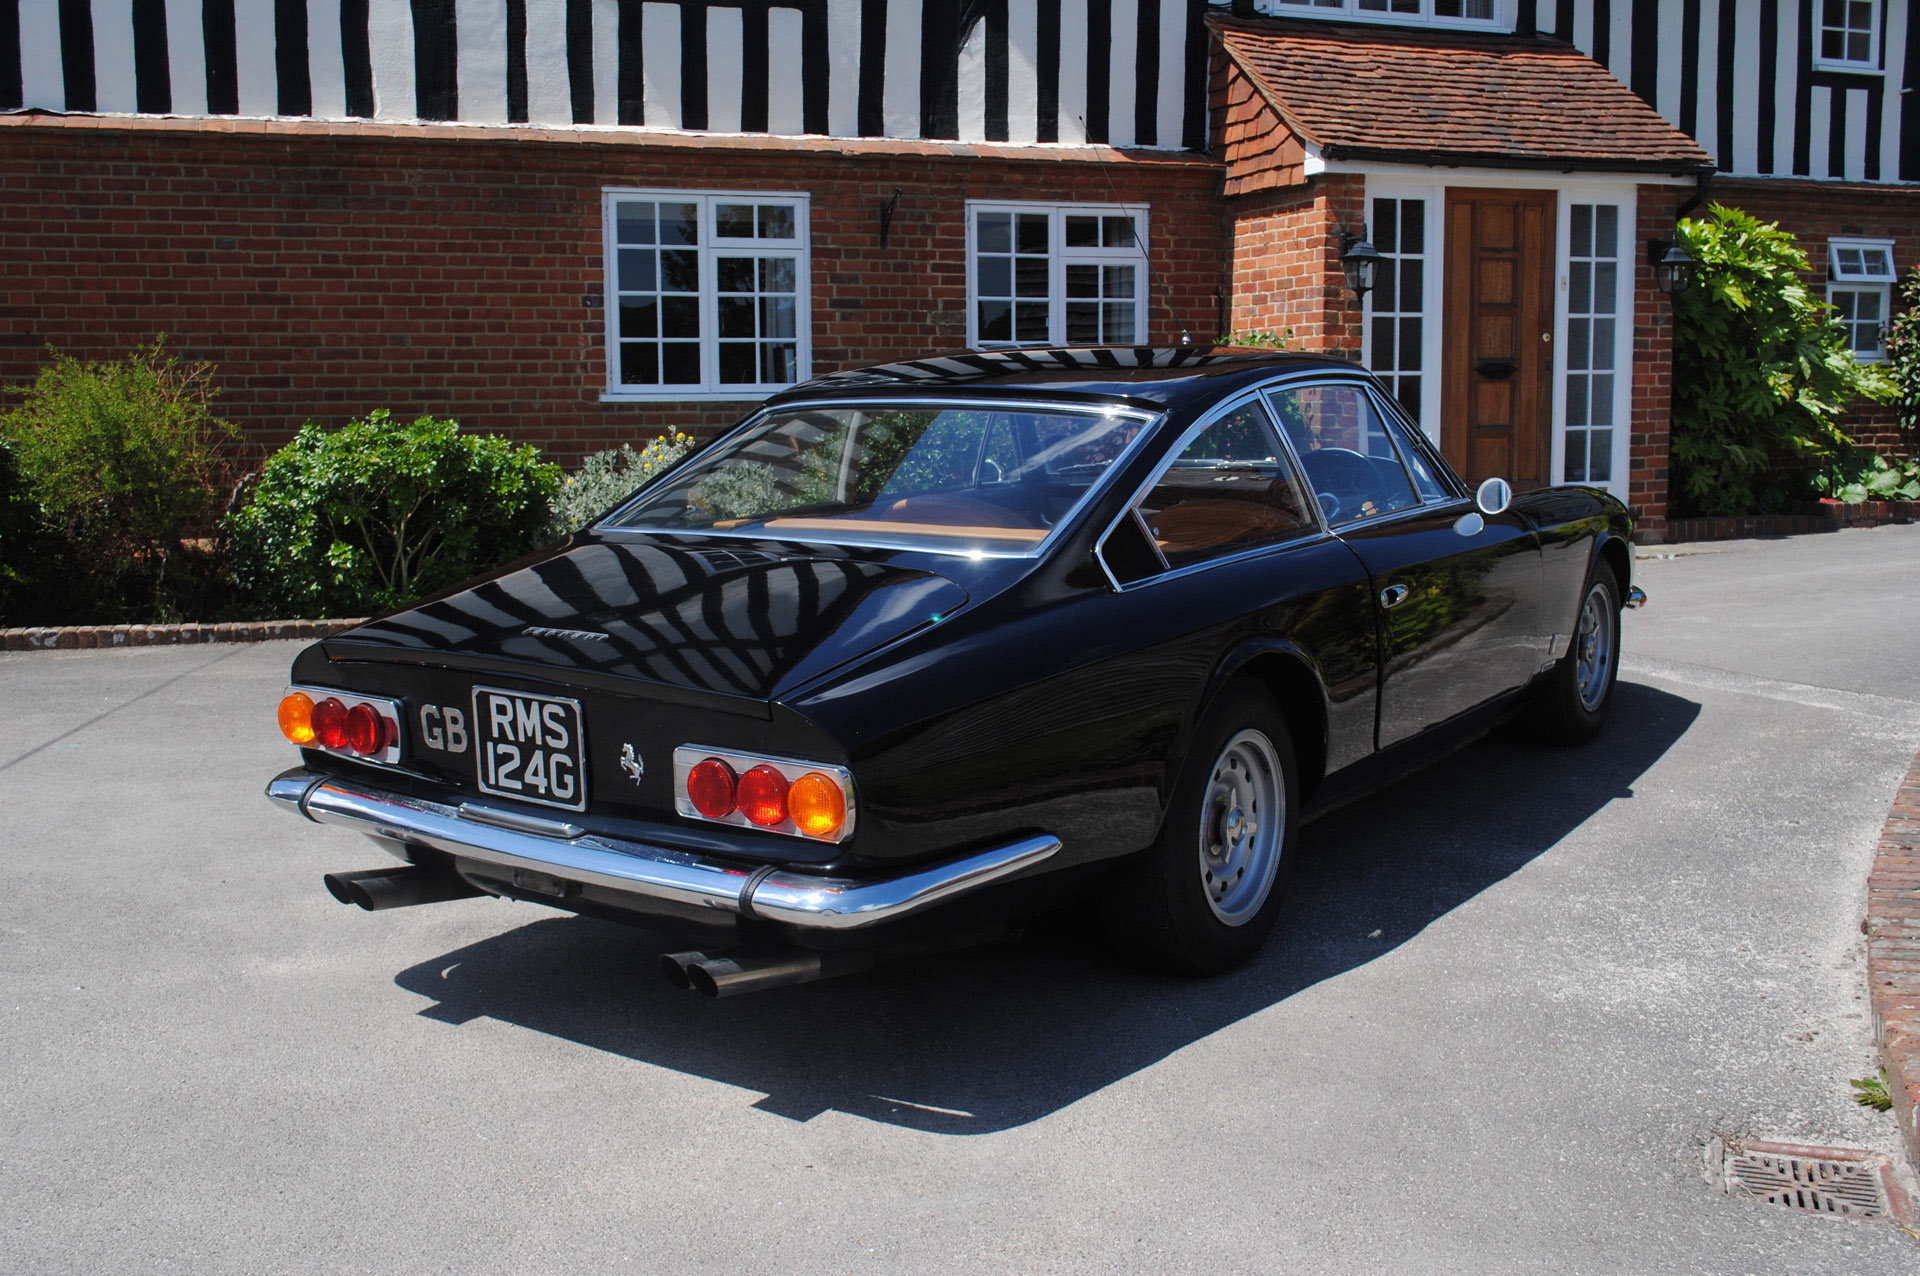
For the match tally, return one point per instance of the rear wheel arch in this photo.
(1289, 677)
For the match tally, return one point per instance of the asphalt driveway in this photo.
(1510, 1002)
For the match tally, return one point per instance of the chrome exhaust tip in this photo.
(383, 888)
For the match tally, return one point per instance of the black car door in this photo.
(1456, 593)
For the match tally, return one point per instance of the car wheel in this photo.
(1573, 704)
(1204, 898)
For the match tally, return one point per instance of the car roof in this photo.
(1166, 377)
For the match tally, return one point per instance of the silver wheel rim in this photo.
(1241, 822)
(1593, 647)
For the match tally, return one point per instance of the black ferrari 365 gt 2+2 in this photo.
(920, 648)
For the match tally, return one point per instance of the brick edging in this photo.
(71, 637)
(1820, 516)
(1893, 955)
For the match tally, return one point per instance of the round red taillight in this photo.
(329, 721)
(710, 788)
(763, 796)
(366, 730)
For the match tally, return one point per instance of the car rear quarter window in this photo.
(1230, 489)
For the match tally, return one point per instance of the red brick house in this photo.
(585, 221)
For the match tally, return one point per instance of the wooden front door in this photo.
(1496, 377)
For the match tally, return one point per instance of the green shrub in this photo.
(1867, 476)
(605, 479)
(1903, 358)
(372, 516)
(1762, 372)
(123, 462)
(23, 543)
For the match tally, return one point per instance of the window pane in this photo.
(1083, 232)
(778, 317)
(1602, 398)
(996, 321)
(639, 363)
(735, 274)
(1229, 490)
(680, 316)
(1580, 288)
(1031, 232)
(679, 224)
(779, 363)
(1600, 456)
(1119, 321)
(1410, 341)
(739, 364)
(1030, 276)
(1083, 323)
(1030, 322)
(996, 232)
(1117, 281)
(680, 361)
(1383, 327)
(733, 221)
(680, 270)
(1386, 225)
(1603, 349)
(1413, 284)
(996, 276)
(1413, 225)
(776, 221)
(1119, 232)
(777, 274)
(1579, 343)
(736, 317)
(1580, 224)
(1330, 428)
(1606, 231)
(1083, 281)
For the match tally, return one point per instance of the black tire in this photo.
(1574, 701)
(1166, 909)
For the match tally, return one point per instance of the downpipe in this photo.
(738, 971)
(383, 888)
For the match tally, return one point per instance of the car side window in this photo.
(1230, 489)
(1426, 480)
(1350, 461)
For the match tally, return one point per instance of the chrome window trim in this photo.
(1255, 393)
(1147, 417)
(1429, 451)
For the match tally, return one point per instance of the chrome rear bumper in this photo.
(508, 840)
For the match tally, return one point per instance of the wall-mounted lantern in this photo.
(1361, 260)
(1673, 268)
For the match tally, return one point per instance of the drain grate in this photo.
(1847, 1182)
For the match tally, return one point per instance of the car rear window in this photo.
(999, 478)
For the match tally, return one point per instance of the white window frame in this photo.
(1820, 28)
(710, 388)
(1863, 282)
(1350, 11)
(1432, 287)
(1059, 257)
(1626, 200)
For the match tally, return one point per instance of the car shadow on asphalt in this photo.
(991, 1038)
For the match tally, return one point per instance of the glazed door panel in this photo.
(1497, 369)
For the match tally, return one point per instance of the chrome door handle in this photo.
(1394, 595)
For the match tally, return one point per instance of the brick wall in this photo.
(1650, 420)
(1818, 211)
(1285, 270)
(331, 269)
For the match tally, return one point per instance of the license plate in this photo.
(530, 747)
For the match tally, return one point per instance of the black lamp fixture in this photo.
(1673, 268)
(1360, 260)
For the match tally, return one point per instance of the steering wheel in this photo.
(1341, 475)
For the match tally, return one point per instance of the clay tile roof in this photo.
(1430, 96)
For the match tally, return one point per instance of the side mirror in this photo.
(1494, 496)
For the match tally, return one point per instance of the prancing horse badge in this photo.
(630, 763)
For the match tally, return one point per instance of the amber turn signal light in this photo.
(296, 718)
(816, 805)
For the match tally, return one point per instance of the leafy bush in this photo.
(1903, 358)
(1762, 372)
(123, 461)
(1868, 476)
(607, 478)
(375, 514)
